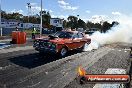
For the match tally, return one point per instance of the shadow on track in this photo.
(35, 59)
(32, 60)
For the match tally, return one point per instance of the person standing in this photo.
(33, 33)
(16, 29)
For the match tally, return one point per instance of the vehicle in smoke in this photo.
(61, 42)
(91, 31)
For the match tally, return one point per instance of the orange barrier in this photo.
(22, 37)
(18, 37)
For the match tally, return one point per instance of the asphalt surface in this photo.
(27, 69)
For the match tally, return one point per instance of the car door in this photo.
(81, 39)
(76, 41)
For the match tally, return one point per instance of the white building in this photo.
(12, 23)
(31, 25)
(57, 22)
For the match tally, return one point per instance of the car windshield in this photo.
(63, 34)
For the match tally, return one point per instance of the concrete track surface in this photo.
(25, 68)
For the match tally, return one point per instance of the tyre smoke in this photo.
(119, 33)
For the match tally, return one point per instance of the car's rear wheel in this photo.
(63, 52)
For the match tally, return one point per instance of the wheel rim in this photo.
(63, 52)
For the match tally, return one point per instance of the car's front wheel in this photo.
(63, 52)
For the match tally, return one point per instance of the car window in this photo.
(80, 35)
(63, 34)
(75, 35)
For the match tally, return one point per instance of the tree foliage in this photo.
(81, 24)
(72, 21)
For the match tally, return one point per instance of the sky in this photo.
(86, 9)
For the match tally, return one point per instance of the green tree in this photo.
(97, 26)
(90, 24)
(106, 26)
(114, 23)
(81, 24)
(65, 24)
(3, 14)
(25, 19)
(72, 22)
(46, 19)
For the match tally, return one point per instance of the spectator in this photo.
(16, 29)
(33, 33)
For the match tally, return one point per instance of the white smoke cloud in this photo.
(119, 33)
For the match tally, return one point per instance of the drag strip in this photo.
(33, 71)
(26, 68)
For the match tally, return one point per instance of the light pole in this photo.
(41, 20)
(77, 19)
(0, 20)
(29, 9)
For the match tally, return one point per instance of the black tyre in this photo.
(41, 53)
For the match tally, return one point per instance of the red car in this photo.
(61, 42)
